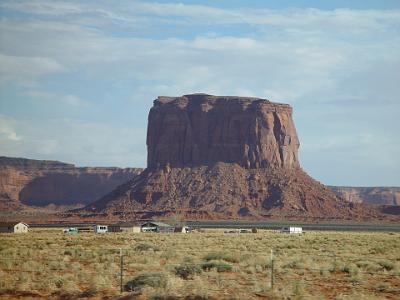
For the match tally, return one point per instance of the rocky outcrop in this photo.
(199, 129)
(213, 157)
(369, 195)
(227, 191)
(41, 182)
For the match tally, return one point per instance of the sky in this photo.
(77, 78)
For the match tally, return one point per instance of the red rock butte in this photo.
(201, 129)
(219, 157)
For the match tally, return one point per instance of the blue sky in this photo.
(77, 78)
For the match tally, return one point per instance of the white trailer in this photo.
(100, 228)
(292, 229)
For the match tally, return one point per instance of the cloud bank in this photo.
(99, 66)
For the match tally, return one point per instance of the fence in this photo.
(122, 269)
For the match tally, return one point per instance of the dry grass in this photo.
(207, 265)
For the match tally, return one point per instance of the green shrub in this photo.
(350, 269)
(221, 256)
(382, 287)
(59, 283)
(148, 279)
(355, 278)
(367, 265)
(219, 266)
(377, 250)
(334, 267)
(187, 270)
(386, 264)
(88, 292)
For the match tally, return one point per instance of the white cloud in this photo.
(58, 98)
(14, 67)
(126, 11)
(338, 67)
(42, 7)
(74, 101)
(7, 131)
(75, 141)
(300, 57)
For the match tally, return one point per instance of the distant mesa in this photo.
(224, 157)
(369, 195)
(28, 182)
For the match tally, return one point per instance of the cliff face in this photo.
(213, 157)
(369, 195)
(195, 130)
(40, 183)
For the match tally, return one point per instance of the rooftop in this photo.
(7, 224)
(161, 224)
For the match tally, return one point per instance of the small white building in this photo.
(14, 227)
(100, 228)
(292, 229)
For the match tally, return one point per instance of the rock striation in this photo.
(218, 157)
(200, 129)
(42, 182)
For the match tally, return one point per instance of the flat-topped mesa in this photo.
(212, 157)
(201, 129)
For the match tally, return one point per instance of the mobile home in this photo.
(100, 228)
(292, 229)
(125, 227)
(157, 227)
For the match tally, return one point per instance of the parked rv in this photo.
(292, 229)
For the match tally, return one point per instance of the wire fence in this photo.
(127, 269)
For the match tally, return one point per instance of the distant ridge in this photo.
(45, 182)
(27, 163)
(369, 195)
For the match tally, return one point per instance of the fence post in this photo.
(121, 257)
(334, 260)
(272, 268)
(333, 255)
